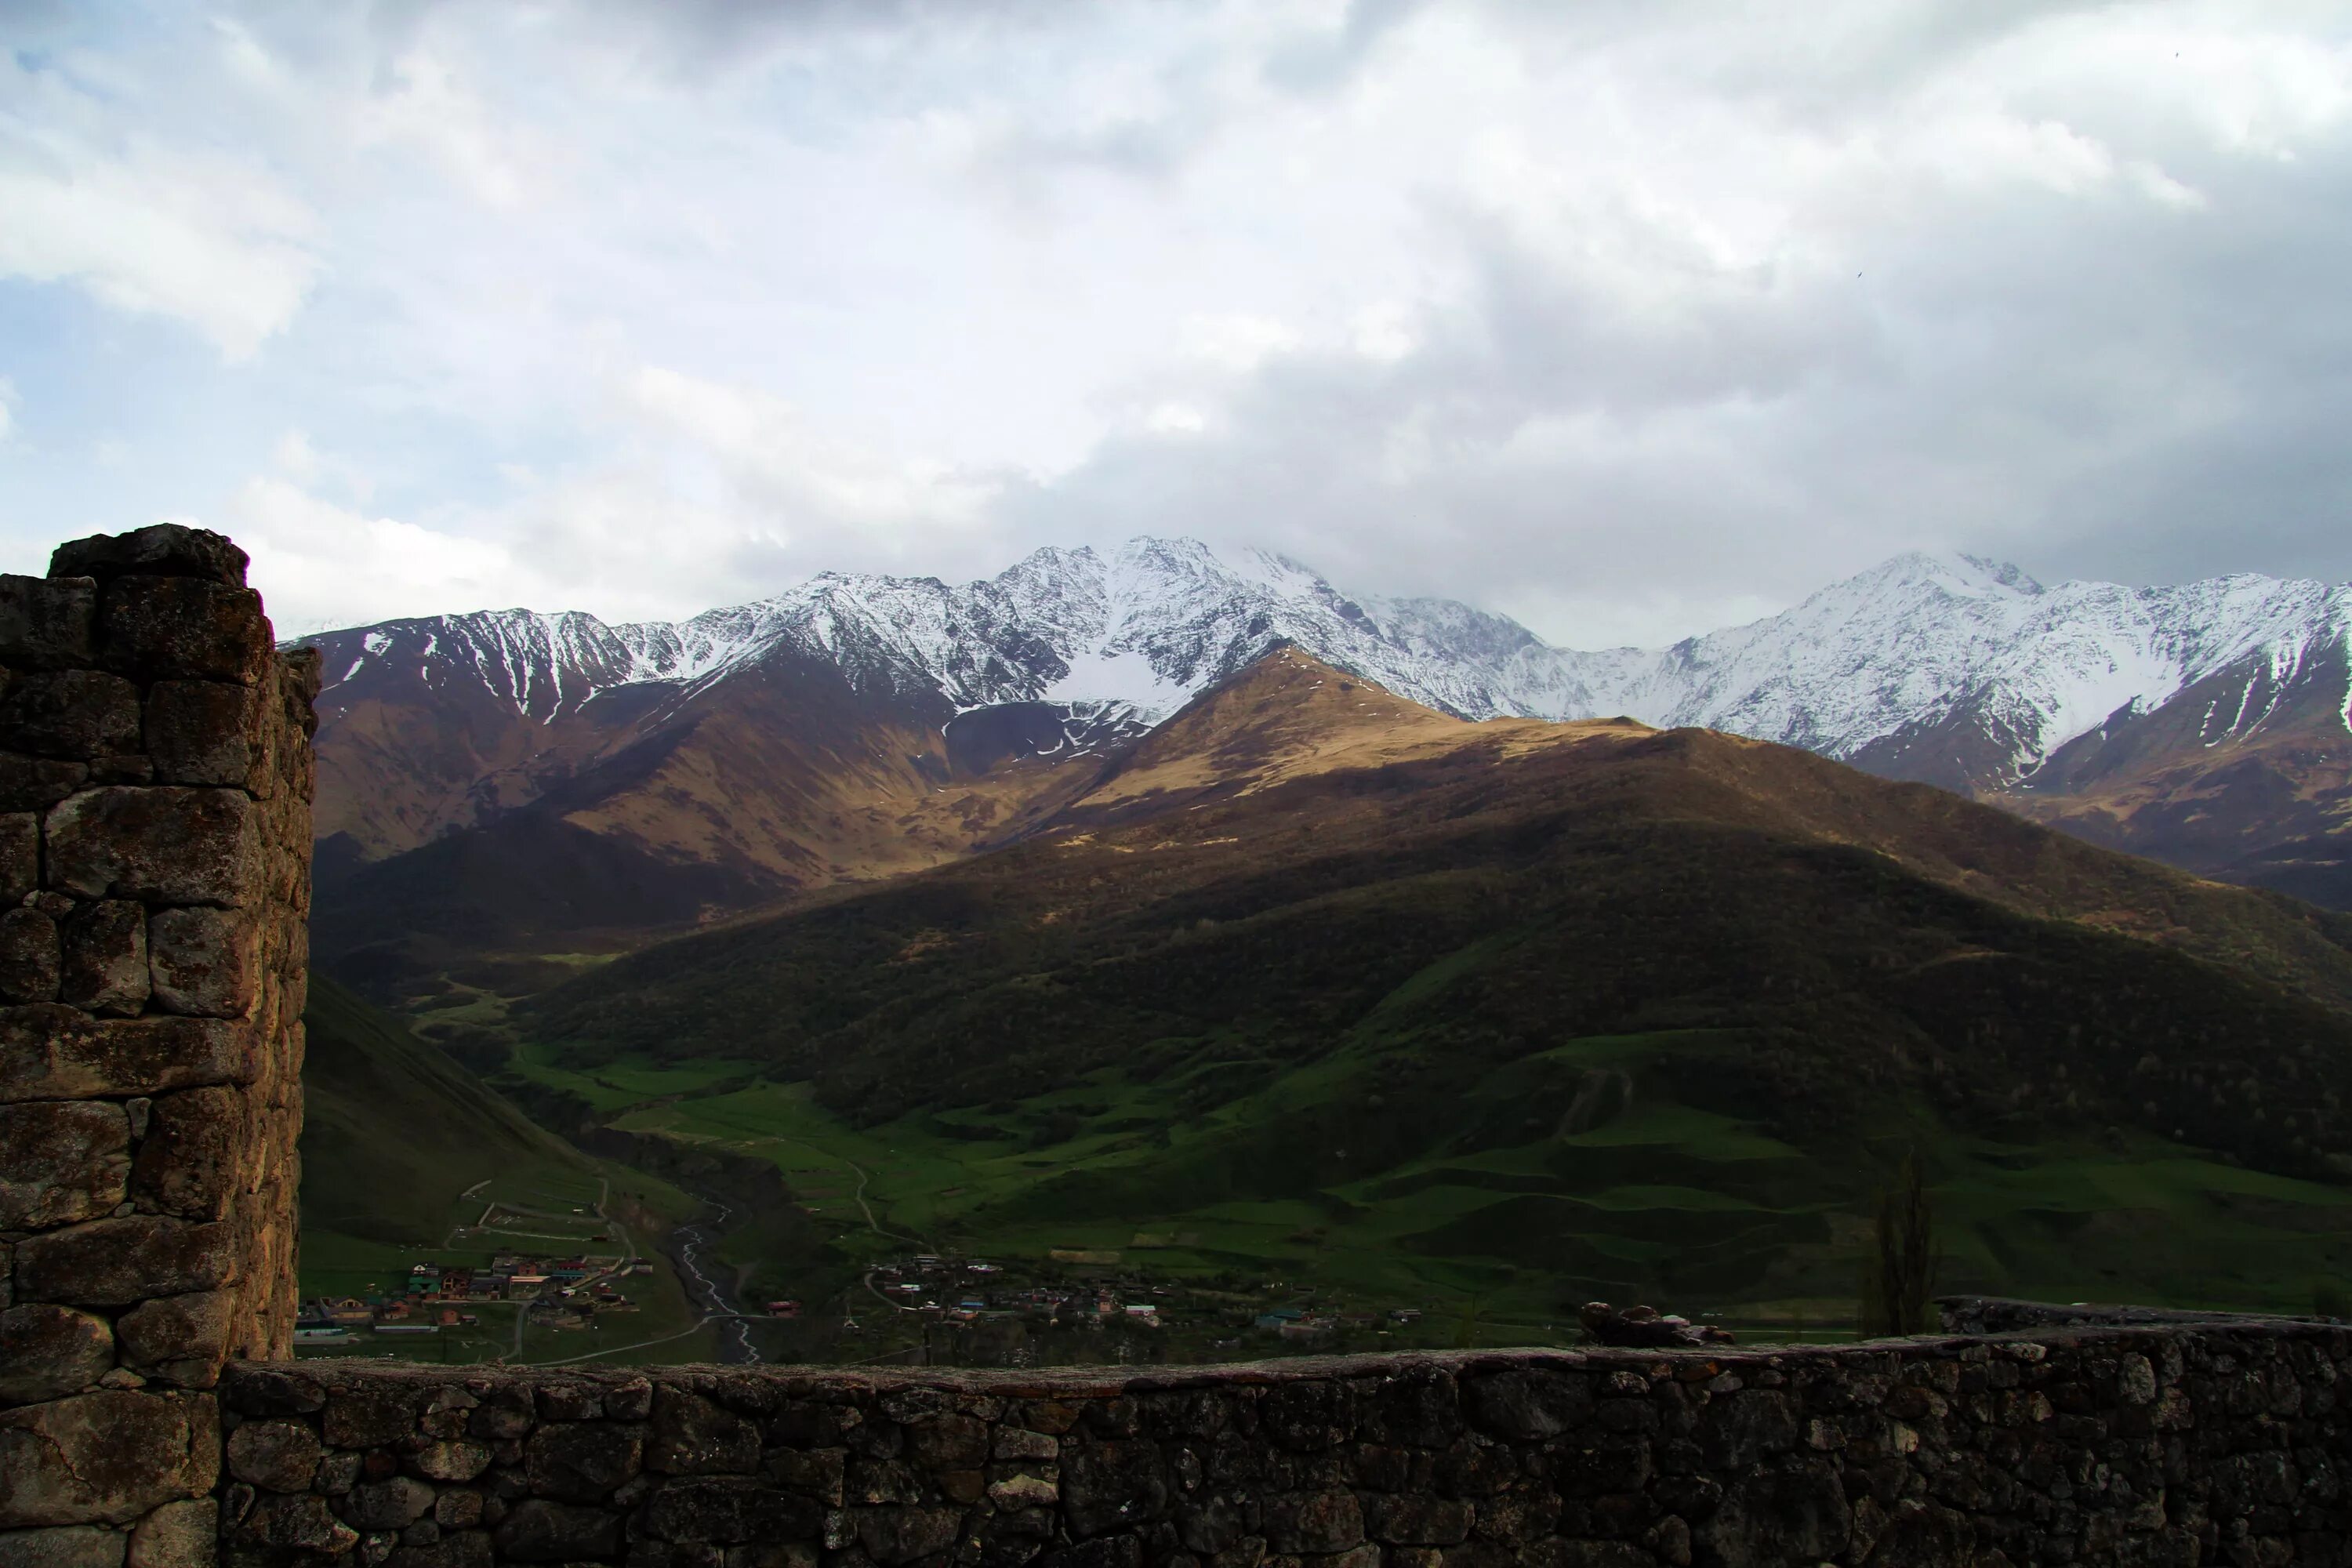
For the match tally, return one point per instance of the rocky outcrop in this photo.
(1644, 1328)
(155, 781)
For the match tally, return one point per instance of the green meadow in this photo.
(1637, 1195)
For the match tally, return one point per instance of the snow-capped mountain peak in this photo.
(1920, 643)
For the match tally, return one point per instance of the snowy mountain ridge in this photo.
(1920, 641)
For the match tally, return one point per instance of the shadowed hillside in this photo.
(1543, 995)
(394, 1131)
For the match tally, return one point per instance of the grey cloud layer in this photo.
(1627, 318)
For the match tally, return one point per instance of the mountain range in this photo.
(574, 778)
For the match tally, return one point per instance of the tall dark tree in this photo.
(1900, 1277)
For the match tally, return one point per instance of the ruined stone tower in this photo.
(154, 885)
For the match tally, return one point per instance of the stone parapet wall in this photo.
(2157, 1446)
(155, 779)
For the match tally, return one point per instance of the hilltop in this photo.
(497, 788)
(1646, 1009)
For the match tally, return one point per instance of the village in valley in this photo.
(1073, 1307)
(565, 1292)
(1082, 1305)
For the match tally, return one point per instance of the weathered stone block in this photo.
(179, 1339)
(729, 1509)
(338, 1473)
(948, 1443)
(166, 843)
(693, 1437)
(48, 623)
(1798, 1515)
(47, 1351)
(371, 1417)
(104, 966)
(178, 1536)
(298, 1523)
(1414, 1520)
(630, 1401)
(272, 1391)
(1013, 1494)
(20, 856)
(61, 1161)
(117, 1262)
(50, 1052)
(450, 1460)
(571, 1402)
(159, 550)
(459, 1510)
(63, 1546)
(1743, 1427)
(29, 956)
(1322, 1521)
(894, 1535)
(80, 714)
(675, 1555)
(388, 1504)
(882, 1481)
(187, 1162)
(1108, 1485)
(182, 629)
(35, 784)
(204, 961)
(462, 1549)
(814, 1472)
(542, 1532)
(1013, 1443)
(1533, 1402)
(802, 1554)
(583, 1461)
(200, 731)
(108, 1456)
(276, 1455)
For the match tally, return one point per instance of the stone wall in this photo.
(154, 886)
(2223, 1444)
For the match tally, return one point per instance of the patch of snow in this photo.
(1125, 677)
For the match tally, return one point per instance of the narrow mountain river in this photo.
(700, 1272)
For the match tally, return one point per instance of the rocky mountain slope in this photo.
(580, 776)
(1644, 1009)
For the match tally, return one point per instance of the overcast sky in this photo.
(1630, 319)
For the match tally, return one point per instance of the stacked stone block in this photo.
(155, 882)
(2227, 1444)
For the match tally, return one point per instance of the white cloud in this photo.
(146, 222)
(319, 565)
(8, 407)
(769, 456)
(638, 308)
(1239, 341)
(1174, 418)
(1384, 332)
